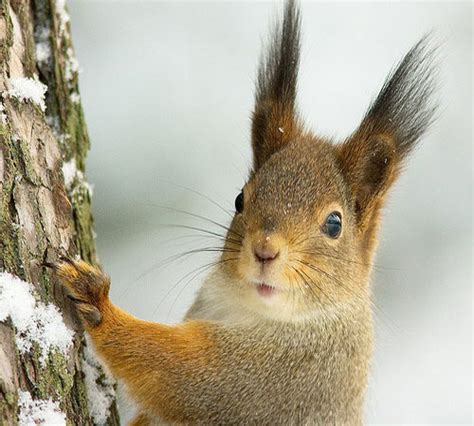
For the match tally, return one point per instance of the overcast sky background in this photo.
(167, 90)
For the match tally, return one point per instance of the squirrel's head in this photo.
(306, 222)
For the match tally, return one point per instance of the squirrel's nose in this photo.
(265, 254)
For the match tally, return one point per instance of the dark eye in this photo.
(333, 225)
(239, 203)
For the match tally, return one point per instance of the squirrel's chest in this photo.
(296, 379)
(314, 372)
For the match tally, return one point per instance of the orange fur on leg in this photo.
(154, 360)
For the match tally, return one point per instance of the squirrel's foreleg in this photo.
(156, 362)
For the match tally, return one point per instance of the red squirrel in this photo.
(281, 331)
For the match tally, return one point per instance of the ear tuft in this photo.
(404, 108)
(372, 157)
(278, 72)
(274, 121)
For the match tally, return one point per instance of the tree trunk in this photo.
(45, 203)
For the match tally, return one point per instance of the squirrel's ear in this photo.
(372, 157)
(274, 119)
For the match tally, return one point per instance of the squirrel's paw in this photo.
(87, 286)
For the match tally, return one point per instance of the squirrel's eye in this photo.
(239, 203)
(333, 225)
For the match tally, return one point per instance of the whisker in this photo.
(220, 225)
(203, 230)
(302, 237)
(183, 238)
(208, 198)
(320, 288)
(177, 283)
(327, 274)
(177, 257)
(292, 290)
(305, 288)
(330, 256)
(346, 288)
(197, 271)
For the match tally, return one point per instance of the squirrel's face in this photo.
(291, 246)
(304, 233)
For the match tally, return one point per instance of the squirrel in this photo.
(281, 331)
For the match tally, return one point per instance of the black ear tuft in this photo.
(372, 156)
(404, 108)
(274, 118)
(278, 71)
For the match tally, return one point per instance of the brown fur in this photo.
(300, 355)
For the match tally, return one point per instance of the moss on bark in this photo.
(41, 219)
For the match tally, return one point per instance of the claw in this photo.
(66, 259)
(76, 299)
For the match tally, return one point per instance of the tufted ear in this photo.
(274, 119)
(372, 157)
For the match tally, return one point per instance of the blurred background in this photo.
(167, 90)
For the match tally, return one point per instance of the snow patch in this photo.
(43, 48)
(74, 178)
(3, 116)
(28, 89)
(39, 412)
(71, 65)
(70, 172)
(34, 320)
(75, 98)
(43, 52)
(99, 384)
(63, 16)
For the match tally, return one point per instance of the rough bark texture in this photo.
(41, 218)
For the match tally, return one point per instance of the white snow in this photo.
(34, 320)
(43, 48)
(39, 412)
(89, 188)
(99, 386)
(3, 116)
(63, 16)
(73, 178)
(70, 172)
(28, 89)
(75, 97)
(71, 65)
(43, 52)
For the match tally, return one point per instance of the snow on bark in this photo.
(41, 219)
(63, 17)
(43, 51)
(34, 321)
(3, 116)
(71, 66)
(28, 89)
(39, 412)
(75, 97)
(100, 386)
(74, 178)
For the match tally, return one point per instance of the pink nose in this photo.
(265, 254)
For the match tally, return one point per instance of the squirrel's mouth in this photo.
(265, 290)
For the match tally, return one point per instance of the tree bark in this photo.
(41, 215)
